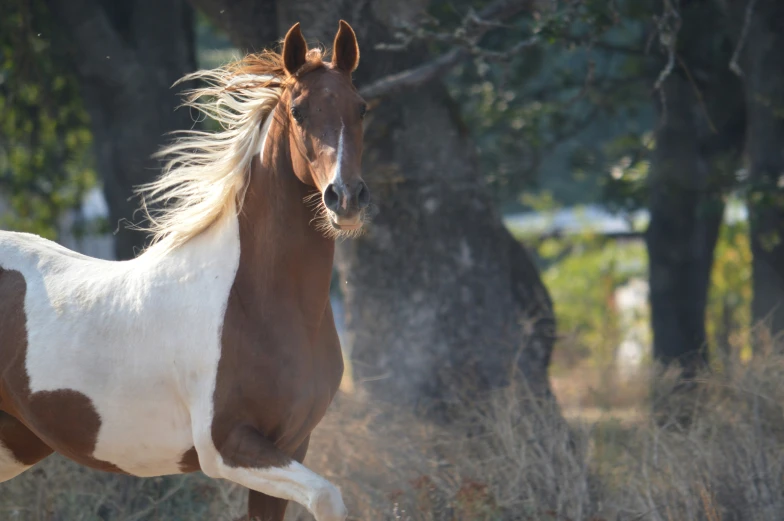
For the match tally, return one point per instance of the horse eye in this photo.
(296, 113)
(362, 111)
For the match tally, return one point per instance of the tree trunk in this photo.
(441, 302)
(763, 69)
(127, 55)
(698, 145)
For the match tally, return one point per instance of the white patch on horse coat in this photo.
(140, 338)
(339, 161)
(294, 482)
(10, 467)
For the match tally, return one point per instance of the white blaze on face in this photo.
(339, 161)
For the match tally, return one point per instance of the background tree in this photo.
(760, 34)
(680, 162)
(126, 56)
(45, 160)
(698, 145)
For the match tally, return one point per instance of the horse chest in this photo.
(281, 384)
(295, 396)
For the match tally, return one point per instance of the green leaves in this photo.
(546, 117)
(45, 160)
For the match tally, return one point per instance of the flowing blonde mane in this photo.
(206, 173)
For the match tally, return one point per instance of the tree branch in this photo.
(668, 25)
(734, 65)
(475, 26)
(415, 77)
(502, 10)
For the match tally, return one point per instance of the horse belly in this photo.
(145, 437)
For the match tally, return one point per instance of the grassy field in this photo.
(612, 461)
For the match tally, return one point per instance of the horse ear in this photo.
(345, 50)
(295, 49)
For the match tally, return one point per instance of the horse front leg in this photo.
(262, 507)
(249, 459)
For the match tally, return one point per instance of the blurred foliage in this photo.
(214, 48)
(46, 157)
(556, 115)
(729, 298)
(626, 186)
(45, 160)
(583, 271)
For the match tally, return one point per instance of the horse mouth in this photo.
(345, 226)
(349, 224)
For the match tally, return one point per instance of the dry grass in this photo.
(727, 464)
(60, 490)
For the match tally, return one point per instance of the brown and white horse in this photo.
(215, 349)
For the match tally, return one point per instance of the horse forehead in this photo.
(329, 86)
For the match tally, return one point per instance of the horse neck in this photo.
(284, 260)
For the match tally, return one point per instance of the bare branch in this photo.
(734, 65)
(431, 70)
(414, 77)
(606, 46)
(474, 27)
(507, 54)
(669, 24)
(503, 9)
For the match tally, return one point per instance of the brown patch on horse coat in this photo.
(64, 420)
(189, 462)
(23, 444)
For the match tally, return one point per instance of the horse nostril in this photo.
(331, 198)
(363, 195)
